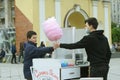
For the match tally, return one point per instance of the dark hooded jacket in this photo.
(96, 46)
(31, 52)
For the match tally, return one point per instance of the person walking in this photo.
(32, 52)
(2, 55)
(21, 52)
(96, 46)
(13, 50)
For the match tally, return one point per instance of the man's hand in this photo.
(56, 45)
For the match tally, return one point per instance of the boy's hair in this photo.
(92, 21)
(30, 34)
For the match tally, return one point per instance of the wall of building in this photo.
(7, 28)
(65, 7)
(86, 5)
(49, 8)
(28, 14)
(26, 18)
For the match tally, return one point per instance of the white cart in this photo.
(50, 69)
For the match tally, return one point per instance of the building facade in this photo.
(7, 18)
(115, 5)
(30, 14)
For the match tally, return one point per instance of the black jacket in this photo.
(31, 52)
(96, 46)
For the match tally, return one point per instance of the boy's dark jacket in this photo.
(31, 52)
(96, 46)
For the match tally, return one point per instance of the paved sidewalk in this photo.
(115, 55)
(10, 71)
(15, 71)
(114, 73)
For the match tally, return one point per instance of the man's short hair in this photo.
(30, 34)
(92, 21)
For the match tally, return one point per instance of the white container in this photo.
(46, 69)
(50, 69)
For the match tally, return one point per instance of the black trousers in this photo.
(13, 58)
(21, 56)
(99, 71)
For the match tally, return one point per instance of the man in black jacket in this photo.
(31, 52)
(97, 48)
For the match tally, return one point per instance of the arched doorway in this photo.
(75, 17)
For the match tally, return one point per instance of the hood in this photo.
(98, 34)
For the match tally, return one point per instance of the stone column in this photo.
(95, 8)
(58, 11)
(42, 19)
(106, 21)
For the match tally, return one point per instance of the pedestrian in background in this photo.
(21, 55)
(13, 50)
(2, 55)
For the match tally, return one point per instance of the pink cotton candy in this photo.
(52, 29)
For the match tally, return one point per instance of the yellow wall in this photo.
(65, 6)
(30, 9)
(26, 7)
